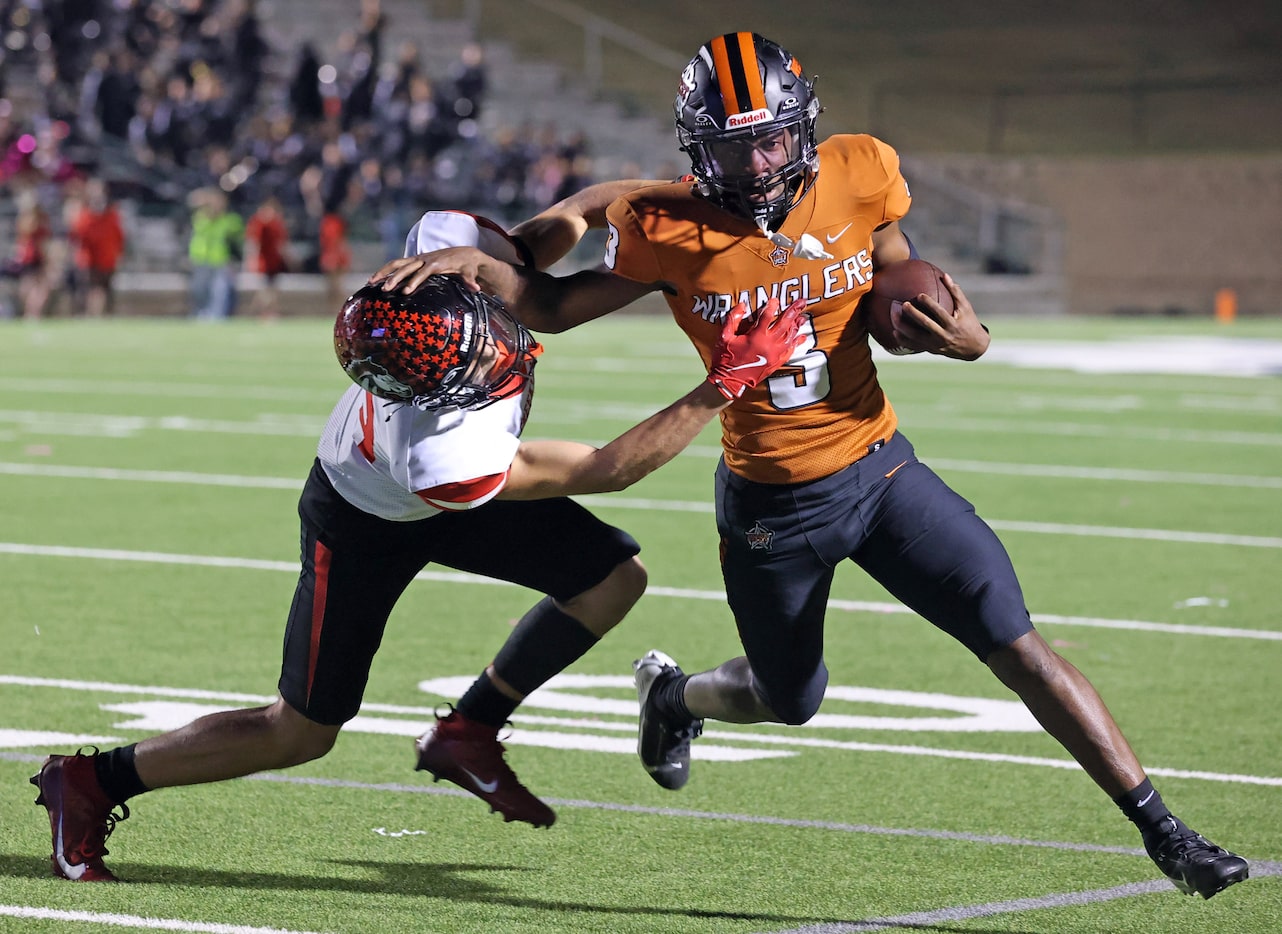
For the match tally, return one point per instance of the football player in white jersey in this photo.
(421, 463)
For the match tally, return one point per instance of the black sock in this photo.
(1144, 807)
(484, 703)
(669, 698)
(117, 775)
(545, 642)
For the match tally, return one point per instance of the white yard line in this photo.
(611, 500)
(938, 916)
(928, 920)
(408, 721)
(1127, 432)
(135, 922)
(1258, 867)
(680, 593)
(551, 410)
(1107, 474)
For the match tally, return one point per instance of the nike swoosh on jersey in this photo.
(833, 238)
(487, 787)
(895, 470)
(746, 366)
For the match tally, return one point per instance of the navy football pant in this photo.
(896, 519)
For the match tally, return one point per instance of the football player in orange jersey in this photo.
(815, 470)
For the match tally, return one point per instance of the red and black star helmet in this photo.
(441, 345)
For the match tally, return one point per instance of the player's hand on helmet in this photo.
(752, 346)
(409, 273)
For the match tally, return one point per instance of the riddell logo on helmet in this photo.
(748, 119)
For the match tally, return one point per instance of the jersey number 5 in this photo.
(804, 379)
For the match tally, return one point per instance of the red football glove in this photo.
(740, 361)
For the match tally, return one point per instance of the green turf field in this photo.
(148, 544)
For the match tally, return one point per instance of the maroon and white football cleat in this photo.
(81, 816)
(470, 755)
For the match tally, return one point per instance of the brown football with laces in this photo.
(894, 284)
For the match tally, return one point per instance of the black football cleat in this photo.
(1196, 865)
(663, 746)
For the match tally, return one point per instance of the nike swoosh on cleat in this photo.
(72, 872)
(486, 787)
(745, 366)
(833, 238)
(895, 470)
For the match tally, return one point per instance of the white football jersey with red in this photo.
(380, 456)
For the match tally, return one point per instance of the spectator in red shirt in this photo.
(29, 261)
(335, 254)
(266, 242)
(99, 241)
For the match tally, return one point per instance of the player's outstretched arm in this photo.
(554, 231)
(750, 349)
(549, 235)
(543, 303)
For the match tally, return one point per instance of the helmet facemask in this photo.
(501, 361)
(745, 115)
(441, 345)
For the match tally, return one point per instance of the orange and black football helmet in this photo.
(441, 345)
(739, 93)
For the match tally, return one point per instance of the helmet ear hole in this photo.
(433, 347)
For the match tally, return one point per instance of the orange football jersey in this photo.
(823, 409)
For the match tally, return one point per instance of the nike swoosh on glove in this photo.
(751, 347)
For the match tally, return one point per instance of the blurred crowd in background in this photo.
(271, 159)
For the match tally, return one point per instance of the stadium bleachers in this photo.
(1045, 231)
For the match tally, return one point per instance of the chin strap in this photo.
(806, 248)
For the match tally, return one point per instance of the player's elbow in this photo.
(541, 310)
(545, 323)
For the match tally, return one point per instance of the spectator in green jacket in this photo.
(214, 250)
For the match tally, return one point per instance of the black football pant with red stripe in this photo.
(355, 567)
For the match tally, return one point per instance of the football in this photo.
(894, 284)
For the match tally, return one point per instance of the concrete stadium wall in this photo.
(1152, 234)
